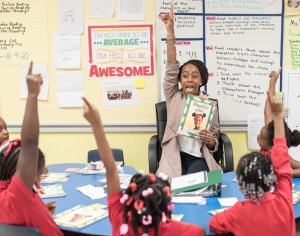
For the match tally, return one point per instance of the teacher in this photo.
(180, 154)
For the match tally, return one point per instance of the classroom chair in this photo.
(93, 155)
(224, 155)
(13, 230)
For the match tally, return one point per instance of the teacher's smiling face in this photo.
(190, 79)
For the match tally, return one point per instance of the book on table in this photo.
(96, 167)
(81, 216)
(190, 182)
(197, 115)
(213, 212)
(54, 190)
(52, 177)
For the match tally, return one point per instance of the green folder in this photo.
(213, 177)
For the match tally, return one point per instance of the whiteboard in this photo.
(291, 90)
(241, 43)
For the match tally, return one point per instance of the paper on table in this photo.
(92, 192)
(192, 199)
(227, 201)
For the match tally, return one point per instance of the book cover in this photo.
(54, 190)
(197, 115)
(51, 177)
(81, 216)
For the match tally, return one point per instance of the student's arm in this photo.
(168, 20)
(296, 172)
(27, 161)
(91, 114)
(279, 152)
(272, 83)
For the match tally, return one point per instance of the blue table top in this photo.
(193, 213)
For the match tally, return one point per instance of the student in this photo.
(266, 136)
(266, 212)
(145, 206)
(180, 154)
(4, 136)
(21, 205)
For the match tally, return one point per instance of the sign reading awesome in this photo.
(120, 51)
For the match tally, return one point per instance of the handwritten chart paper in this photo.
(120, 51)
(239, 41)
(23, 32)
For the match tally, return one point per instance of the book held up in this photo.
(197, 115)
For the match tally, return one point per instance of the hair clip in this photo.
(167, 191)
(133, 187)
(124, 229)
(163, 176)
(14, 143)
(129, 215)
(147, 220)
(129, 201)
(124, 198)
(152, 178)
(171, 207)
(138, 204)
(147, 192)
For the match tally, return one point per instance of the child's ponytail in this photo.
(295, 141)
(146, 202)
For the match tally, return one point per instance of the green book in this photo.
(195, 181)
(197, 115)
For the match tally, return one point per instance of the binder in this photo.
(191, 181)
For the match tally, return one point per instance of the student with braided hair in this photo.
(267, 184)
(266, 136)
(145, 207)
(180, 154)
(20, 204)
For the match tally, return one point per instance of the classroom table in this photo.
(193, 213)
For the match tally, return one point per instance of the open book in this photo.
(81, 216)
(197, 115)
(54, 190)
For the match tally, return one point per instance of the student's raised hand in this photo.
(274, 76)
(276, 105)
(168, 18)
(34, 82)
(90, 112)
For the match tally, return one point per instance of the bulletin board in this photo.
(239, 41)
(37, 23)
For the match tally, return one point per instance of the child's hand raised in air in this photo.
(90, 112)
(276, 105)
(274, 76)
(34, 82)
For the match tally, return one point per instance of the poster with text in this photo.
(122, 51)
